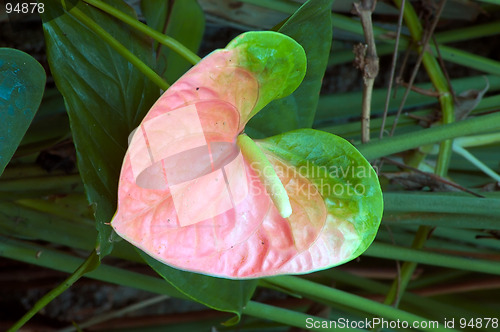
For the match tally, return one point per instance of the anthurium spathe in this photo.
(198, 194)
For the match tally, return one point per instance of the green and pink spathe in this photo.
(197, 194)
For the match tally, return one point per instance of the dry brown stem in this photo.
(367, 61)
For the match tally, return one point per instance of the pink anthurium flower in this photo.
(198, 194)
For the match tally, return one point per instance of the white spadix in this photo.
(264, 169)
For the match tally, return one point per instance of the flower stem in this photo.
(56, 260)
(90, 264)
(50, 258)
(159, 37)
(118, 47)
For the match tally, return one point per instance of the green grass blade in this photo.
(387, 251)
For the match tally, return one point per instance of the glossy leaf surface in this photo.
(220, 294)
(105, 96)
(22, 82)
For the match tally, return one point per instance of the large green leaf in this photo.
(105, 96)
(22, 81)
(182, 20)
(220, 294)
(345, 180)
(311, 27)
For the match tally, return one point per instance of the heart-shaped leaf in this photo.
(22, 82)
(205, 110)
(106, 98)
(346, 182)
(198, 195)
(184, 188)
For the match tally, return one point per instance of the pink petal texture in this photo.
(188, 197)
